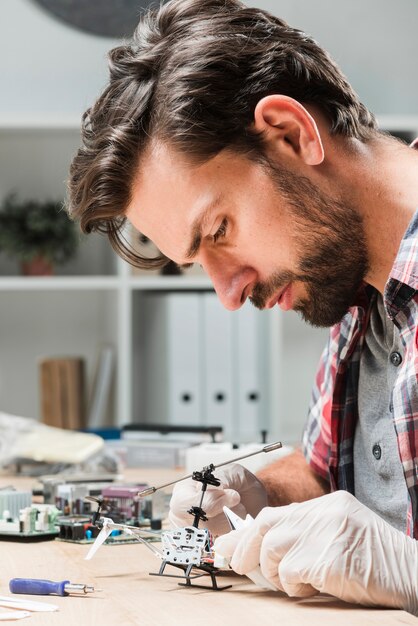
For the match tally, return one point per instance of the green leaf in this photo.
(29, 228)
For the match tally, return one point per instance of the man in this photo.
(233, 141)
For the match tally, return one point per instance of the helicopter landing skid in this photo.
(187, 569)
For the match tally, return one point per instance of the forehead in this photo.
(167, 194)
(170, 174)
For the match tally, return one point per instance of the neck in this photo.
(386, 196)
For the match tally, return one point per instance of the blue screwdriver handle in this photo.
(38, 587)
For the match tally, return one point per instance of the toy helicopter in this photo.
(188, 548)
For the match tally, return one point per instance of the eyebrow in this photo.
(197, 227)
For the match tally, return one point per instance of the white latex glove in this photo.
(332, 544)
(239, 490)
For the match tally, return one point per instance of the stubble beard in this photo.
(331, 245)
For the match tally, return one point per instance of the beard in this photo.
(331, 244)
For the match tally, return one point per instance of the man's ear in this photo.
(288, 129)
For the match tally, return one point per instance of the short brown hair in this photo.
(192, 76)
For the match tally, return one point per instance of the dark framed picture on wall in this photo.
(107, 18)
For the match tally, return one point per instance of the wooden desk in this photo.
(131, 596)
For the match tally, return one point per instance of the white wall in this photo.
(45, 65)
(374, 41)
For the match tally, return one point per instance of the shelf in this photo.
(57, 283)
(140, 283)
(165, 283)
(398, 122)
(39, 122)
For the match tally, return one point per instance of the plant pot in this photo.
(38, 266)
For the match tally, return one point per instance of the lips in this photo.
(285, 300)
(277, 299)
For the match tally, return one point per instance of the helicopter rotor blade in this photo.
(94, 499)
(100, 539)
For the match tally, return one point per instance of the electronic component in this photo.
(37, 521)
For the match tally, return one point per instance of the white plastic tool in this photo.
(236, 523)
(7, 616)
(26, 605)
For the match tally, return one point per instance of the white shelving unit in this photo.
(91, 302)
(72, 313)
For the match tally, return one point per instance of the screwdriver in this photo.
(37, 586)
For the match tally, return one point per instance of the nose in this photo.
(231, 283)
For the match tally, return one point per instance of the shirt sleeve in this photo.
(316, 441)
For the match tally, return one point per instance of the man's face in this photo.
(259, 231)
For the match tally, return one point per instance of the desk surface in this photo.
(131, 596)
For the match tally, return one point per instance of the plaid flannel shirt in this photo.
(329, 433)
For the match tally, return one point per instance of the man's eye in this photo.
(221, 232)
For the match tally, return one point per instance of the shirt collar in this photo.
(403, 278)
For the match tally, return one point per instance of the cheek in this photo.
(273, 239)
(281, 251)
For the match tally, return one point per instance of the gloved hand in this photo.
(332, 544)
(239, 490)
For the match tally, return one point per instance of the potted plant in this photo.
(38, 233)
